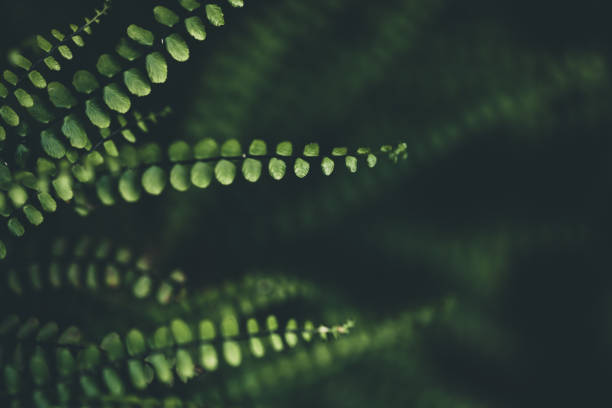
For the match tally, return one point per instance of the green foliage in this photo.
(421, 243)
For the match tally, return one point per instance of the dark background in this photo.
(502, 204)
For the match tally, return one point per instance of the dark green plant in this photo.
(361, 240)
(71, 144)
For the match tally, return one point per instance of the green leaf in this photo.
(39, 368)
(43, 43)
(258, 148)
(111, 148)
(33, 215)
(272, 323)
(284, 149)
(10, 77)
(96, 114)
(162, 368)
(190, 5)
(47, 332)
(179, 177)
(51, 144)
(137, 374)
(207, 330)
(154, 180)
(108, 65)
(371, 159)
(74, 131)
(206, 149)
(89, 358)
(84, 82)
(129, 186)
(78, 40)
(277, 168)
(327, 165)
(231, 148)
(251, 169)
(135, 342)
(57, 34)
(37, 79)
(301, 167)
(165, 16)
(60, 96)
(136, 82)
(18, 195)
(236, 3)
(142, 287)
(63, 187)
(47, 202)
(113, 381)
(181, 331)
(11, 380)
(351, 163)
(15, 226)
(24, 98)
(232, 353)
(9, 116)
(113, 346)
(90, 389)
(19, 60)
(52, 63)
(201, 174)
(179, 151)
(195, 27)
(72, 335)
(215, 15)
(104, 190)
(162, 338)
(116, 99)
(177, 47)
(208, 357)
(5, 174)
(184, 365)
(339, 151)
(140, 35)
(225, 172)
(157, 68)
(127, 50)
(65, 51)
(65, 362)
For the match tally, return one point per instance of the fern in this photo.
(361, 227)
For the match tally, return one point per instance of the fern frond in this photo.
(50, 181)
(102, 93)
(177, 351)
(185, 166)
(254, 293)
(518, 106)
(306, 366)
(95, 268)
(25, 97)
(77, 126)
(207, 161)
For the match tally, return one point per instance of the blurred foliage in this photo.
(476, 270)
